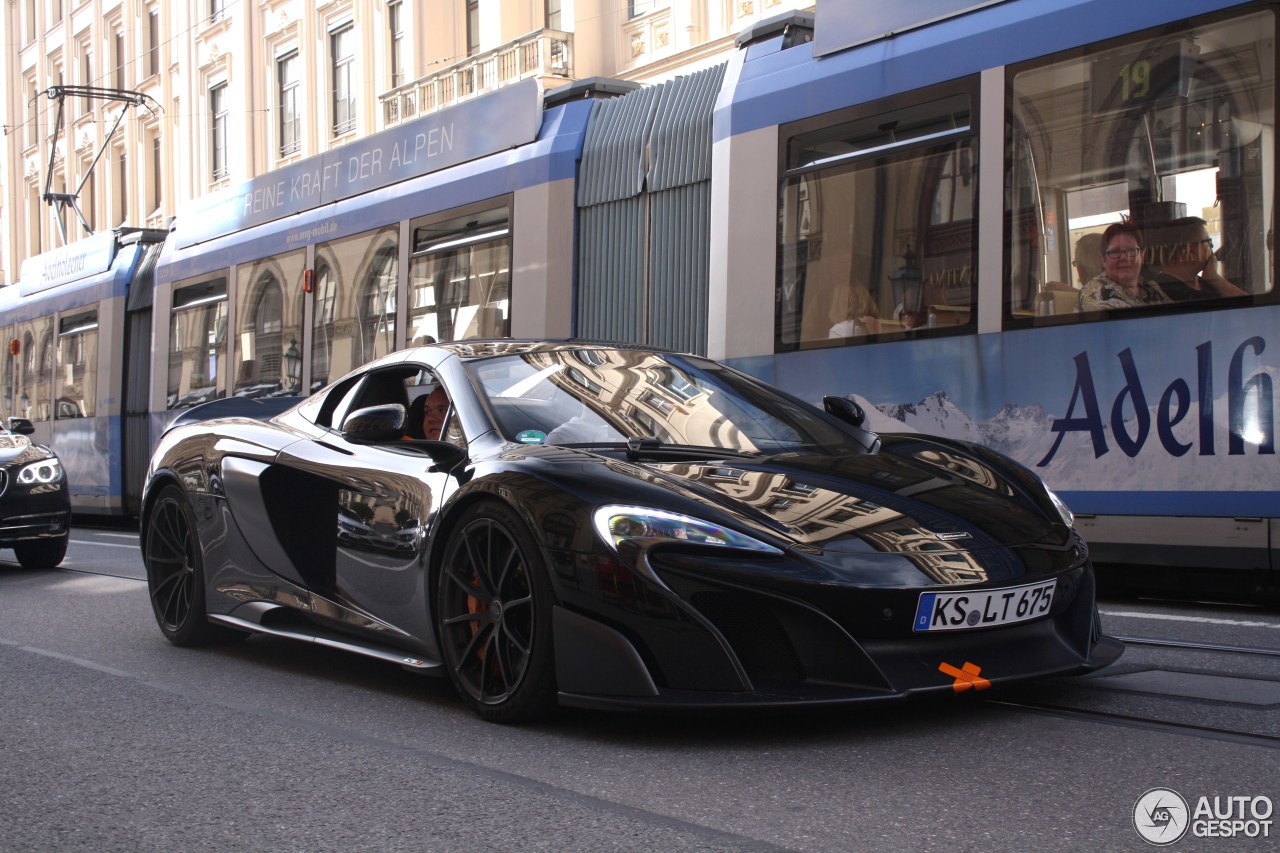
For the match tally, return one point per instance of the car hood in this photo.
(17, 450)
(915, 496)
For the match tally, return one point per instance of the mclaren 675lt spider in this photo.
(613, 527)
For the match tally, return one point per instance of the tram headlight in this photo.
(44, 471)
(1068, 518)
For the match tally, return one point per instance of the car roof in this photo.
(471, 350)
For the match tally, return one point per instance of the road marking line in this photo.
(102, 544)
(1172, 617)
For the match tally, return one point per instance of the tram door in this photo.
(136, 372)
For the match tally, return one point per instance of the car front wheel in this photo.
(41, 553)
(493, 613)
(175, 573)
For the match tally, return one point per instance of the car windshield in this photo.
(608, 396)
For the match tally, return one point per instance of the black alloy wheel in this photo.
(494, 617)
(175, 573)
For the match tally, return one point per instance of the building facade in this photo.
(118, 112)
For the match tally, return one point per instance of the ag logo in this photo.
(1161, 816)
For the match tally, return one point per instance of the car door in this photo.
(381, 499)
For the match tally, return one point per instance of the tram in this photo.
(899, 209)
(69, 359)
(955, 171)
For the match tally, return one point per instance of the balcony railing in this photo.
(545, 54)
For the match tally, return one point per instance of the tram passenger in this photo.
(1120, 284)
(426, 415)
(860, 314)
(1190, 269)
(1087, 258)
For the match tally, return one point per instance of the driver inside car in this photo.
(427, 415)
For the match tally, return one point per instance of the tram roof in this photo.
(776, 86)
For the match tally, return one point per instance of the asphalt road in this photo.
(115, 740)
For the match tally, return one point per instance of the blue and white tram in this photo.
(459, 224)
(68, 367)
(923, 202)
(456, 225)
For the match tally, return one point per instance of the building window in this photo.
(473, 27)
(29, 25)
(153, 42)
(55, 12)
(89, 195)
(217, 8)
(86, 78)
(342, 48)
(218, 128)
(156, 197)
(636, 8)
(290, 119)
(395, 25)
(33, 113)
(122, 187)
(553, 14)
(34, 246)
(117, 75)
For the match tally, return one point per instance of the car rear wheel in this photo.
(493, 613)
(175, 573)
(41, 553)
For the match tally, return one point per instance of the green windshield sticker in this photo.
(531, 436)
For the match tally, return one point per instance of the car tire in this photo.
(41, 553)
(493, 615)
(175, 573)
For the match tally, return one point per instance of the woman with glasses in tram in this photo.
(1120, 284)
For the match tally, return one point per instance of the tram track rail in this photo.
(1066, 710)
(1197, 646)
(1266, 741)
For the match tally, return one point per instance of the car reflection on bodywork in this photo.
(614, 527)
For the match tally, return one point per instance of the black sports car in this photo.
(35, 506)
(610, 526)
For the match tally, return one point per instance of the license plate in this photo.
(983, 608)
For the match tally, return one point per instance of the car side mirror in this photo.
(375, 424)
(845, 409)
(445, 454)
(22, 426)
(852, 414)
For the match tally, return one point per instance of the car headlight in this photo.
(617, 524)
(44, 471)
(1068, 518)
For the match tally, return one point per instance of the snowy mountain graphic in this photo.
(1025, 433)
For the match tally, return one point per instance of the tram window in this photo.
(33, 381)
(354, 314)
(460, 277)
(1171, 130)
(876, 231)
(77, 373)
(268, 336)
(197, 343)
